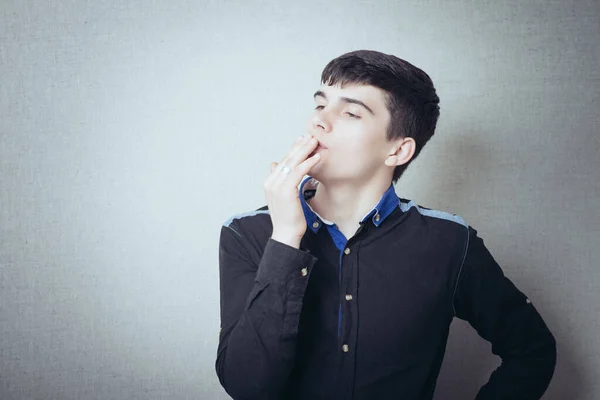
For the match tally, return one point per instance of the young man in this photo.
(340, 289)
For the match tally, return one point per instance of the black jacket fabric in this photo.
(368, 317)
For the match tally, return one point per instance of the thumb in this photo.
(273, 166)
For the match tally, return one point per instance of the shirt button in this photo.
(345, 348)
(315, 224)
(348, 297)
(304, 271)
(347, 251)
(377, 217)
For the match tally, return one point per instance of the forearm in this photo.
(257, 351)
(528, 360)
(504, 316)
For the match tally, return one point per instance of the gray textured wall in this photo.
(130, 132)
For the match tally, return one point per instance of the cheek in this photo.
(354, 139)
(357, 150)
(363, 140)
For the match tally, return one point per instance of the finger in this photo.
(300, 152)
(305, 166)
(303, 152)
(300, 142)
(295, 176)
(295, 156)
(273, 173)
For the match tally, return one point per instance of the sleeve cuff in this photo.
(285, 265)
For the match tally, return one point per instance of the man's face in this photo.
(351, 123)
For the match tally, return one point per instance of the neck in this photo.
(346, 203)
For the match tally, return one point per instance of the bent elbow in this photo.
(243, 382)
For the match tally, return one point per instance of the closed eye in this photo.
(319, 107)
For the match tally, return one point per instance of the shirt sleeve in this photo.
(261, 302)
(504, 316)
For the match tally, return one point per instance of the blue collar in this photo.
(389, 201)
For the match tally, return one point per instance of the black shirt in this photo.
(368, 317)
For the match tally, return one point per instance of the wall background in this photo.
(131, 132)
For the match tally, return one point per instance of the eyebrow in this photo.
(345, 99)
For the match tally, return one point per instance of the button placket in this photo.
(347, 297)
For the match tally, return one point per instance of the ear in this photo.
(401, 152)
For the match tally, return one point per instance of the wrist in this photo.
(286, 239)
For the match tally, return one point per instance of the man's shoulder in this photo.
(250, 215)
(407, 205)
(441, 229)
(255, 222)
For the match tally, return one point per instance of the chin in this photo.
(316, 172)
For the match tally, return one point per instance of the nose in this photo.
(319, 122)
